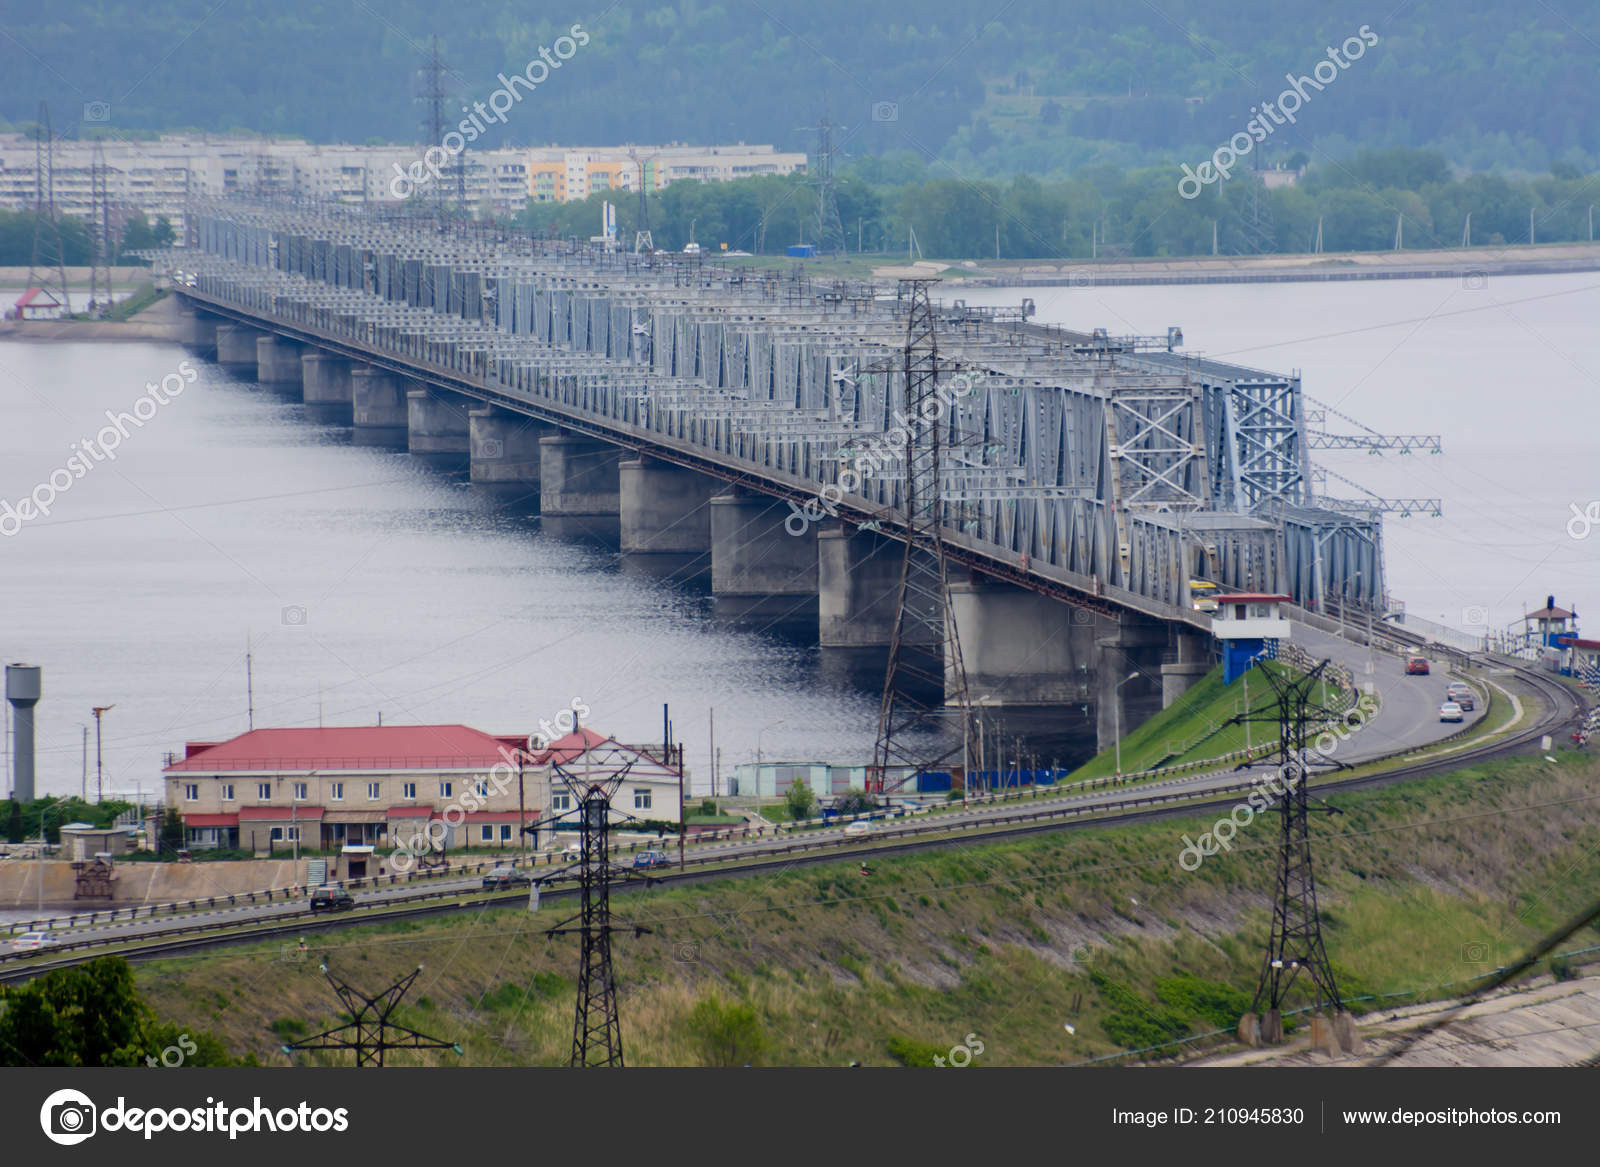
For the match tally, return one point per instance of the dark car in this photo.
(1417, 666)
(505, 877)
(331, 899)
(651, 859)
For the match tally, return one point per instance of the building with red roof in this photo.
(362, 791)
(37, 304)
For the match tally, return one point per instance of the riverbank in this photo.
(159, 322)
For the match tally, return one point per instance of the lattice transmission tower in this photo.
(1295, 945)
(596, 1026)
(829, 229)
(370, 1033)
(100, 296)
(47, 269)
(925, 647)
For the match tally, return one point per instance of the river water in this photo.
(369, 584)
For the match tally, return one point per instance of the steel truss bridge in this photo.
(1104, 471)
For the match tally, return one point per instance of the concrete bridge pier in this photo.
(1185, 663)
(437, 425)
(378, 407)
(236, 349)
(197, 330)
(1128, 677)
(580, 491)
(763, 573)
(325, 378)
(278, 362)
(665, 520)
(504, 453)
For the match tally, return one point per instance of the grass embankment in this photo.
(1199, 725)
(1424, 884)
(142, 297)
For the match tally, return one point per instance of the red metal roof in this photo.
(496, 816)
(1577, 642)
(409, 812)
(361, 747)
(569, 747)
(33, 294)
(280, 813)
(210, 820)
(1252, 598)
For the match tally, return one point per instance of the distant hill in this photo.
(1042, 86)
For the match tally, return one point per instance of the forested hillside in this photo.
(1034, 85)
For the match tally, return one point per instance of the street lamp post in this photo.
(47, 809)
(1116, 714)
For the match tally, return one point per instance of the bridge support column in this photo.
(1127, 677)
(278, 361)
(378, 406)
(858, 581)
(665, 509)
(437, 422)
(326, 380)
(579, 477)
(236, 349)
(198, 331)
(504, 447)
(760, 570)
(1186, 664)
(1023, 648)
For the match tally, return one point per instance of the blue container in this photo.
(801, 251)
(932, 782)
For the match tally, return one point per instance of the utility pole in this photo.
(369, 1031)
(85, 780)
(1296, 943)
(48, 252)
(99, 784)
(924, 648)
(596, 1027)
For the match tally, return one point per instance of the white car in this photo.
(33, 941)
(1450, 711)
(859, 827)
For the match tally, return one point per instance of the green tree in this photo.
(14, 822)
(725, 1034)
(92, 1015)
(171, 831)
(802, 803)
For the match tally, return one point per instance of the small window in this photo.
(505, 832)
(336, 791)
(264, 791)
(409, 790)
(486, 833)
(483, 788)
(285, 834)
(641, 800)
(191, 792)
(445, 789)
(561, 802)
(227, 792)
(374, 791)
(300, 791)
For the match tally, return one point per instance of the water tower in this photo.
(23, 691)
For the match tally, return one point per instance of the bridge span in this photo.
(752, 419)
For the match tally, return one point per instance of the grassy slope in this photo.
(1009, 941)
(1192, 728)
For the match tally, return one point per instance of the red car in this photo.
(1417, 666)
